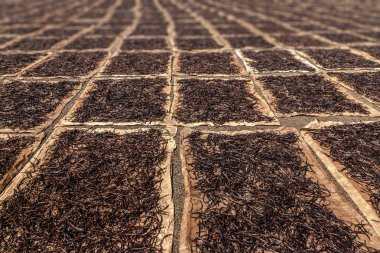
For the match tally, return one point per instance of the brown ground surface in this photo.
(305, 59)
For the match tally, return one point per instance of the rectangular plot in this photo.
(20, 30)
(373, 51)
(69, 64)
(274, 60)
(249, 41)
(145, 44)
(138, 64)
(13, 63)
(263, 191)
(90, 43)
(61, 32)
(196, 31)
(132, 101)
(233, 30)
(343, 37)
(301, 41)
(108, 189)
(150, 30)
(220, 102)
(197, 43)
(14, 151)
(208, 63)
(366, 83)
(32, 106)
(33, 44)
(309, 95)
(351, 154)
(339, 59)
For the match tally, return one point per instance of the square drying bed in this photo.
(30, 106)
(90, 43)
(119, 181)
(219, 102)
(274, 60)
(309, 95)
(68, 64)
(138, 64)
(364, 83)
(200, 43)
(339, 59)
(122, 102)
(256, 191)
(214, 63)
(248, 41)
(33, 44)
(14, 63)
(145, 44)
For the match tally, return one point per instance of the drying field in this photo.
(189, 126)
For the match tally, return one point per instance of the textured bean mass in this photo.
(308, 94)
(125, 101)
(197, 44)
(357, 148)
(69, 64)
(207, 63)
(339, 58)
(90, 43)
(301, 41)
(10, 149)
(274, 61)
(33, 44)
(145, 44)
(367, 84)
(26, 105)
(258, 196)
(139, 64)
(95, 192)
(218, 101)
(13, 63)
(249, 41)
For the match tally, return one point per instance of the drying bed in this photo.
(343, 37)
(14, 150)
(373, 51)
(197, 43)
(90, 43)
(356, 147)
(339, 59)
(351, 154)
(262, 191)
(32, 105)
(13, 63)
(300, 41)
(126, 101)
(365, 83)
(61, 33)
(218, 101)
(274, 60)
(150, 30)
(189, 31)
(223, 63)
(248, 41)
(68, 64)
(145, 44)
(308, 95)
(233, 31)
(106, 190)
(33, 44)
(138, 64)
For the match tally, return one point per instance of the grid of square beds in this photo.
(190, 126)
